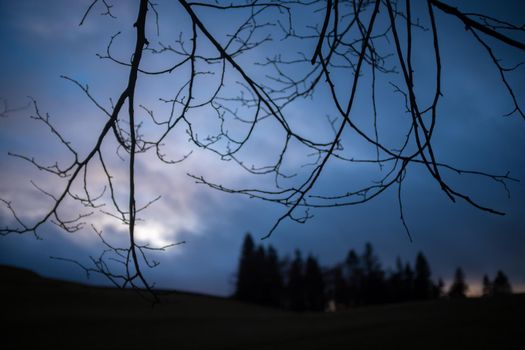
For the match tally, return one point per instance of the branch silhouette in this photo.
(344, 38)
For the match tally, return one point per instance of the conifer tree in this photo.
(395, 283)
(438, 289)
(296, 283)
(246, 278)
(486, 287)
(273, 278)
(373, 282)
(423, 286)
(501, 285)
(340, 287)
(355, 277)
(459, 286)
(260, 290)
(408, 283)
(314, 285)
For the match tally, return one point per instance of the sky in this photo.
(43, 41)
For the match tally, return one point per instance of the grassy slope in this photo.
(66, 315)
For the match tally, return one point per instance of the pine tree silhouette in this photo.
(373, 282)
(340, 287)
(314, 285)
(296, 284)
(260, 287)
(459, 286)
(246, 279)
(501, 285)
(438, 289)
(272, 278)
(423, 286)
(486, 287)
(395, 283)
(355, 278)
(408, 283)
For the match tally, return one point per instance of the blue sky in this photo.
(43, 41)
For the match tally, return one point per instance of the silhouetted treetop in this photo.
(501, 284)
(459, 287)
(296, 283)
(486, 289)
(423, 286)
(246, 279)
(314, 285)
(303, 285)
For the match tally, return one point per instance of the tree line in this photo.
(301, 284)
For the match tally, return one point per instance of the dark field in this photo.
(44, 313)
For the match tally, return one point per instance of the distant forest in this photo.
(303, 285)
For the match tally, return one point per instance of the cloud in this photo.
(57, 20)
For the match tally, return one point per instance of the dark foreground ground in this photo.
(44, 314)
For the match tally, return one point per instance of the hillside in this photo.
(57, 314)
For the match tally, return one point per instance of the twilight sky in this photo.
(42, 41)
